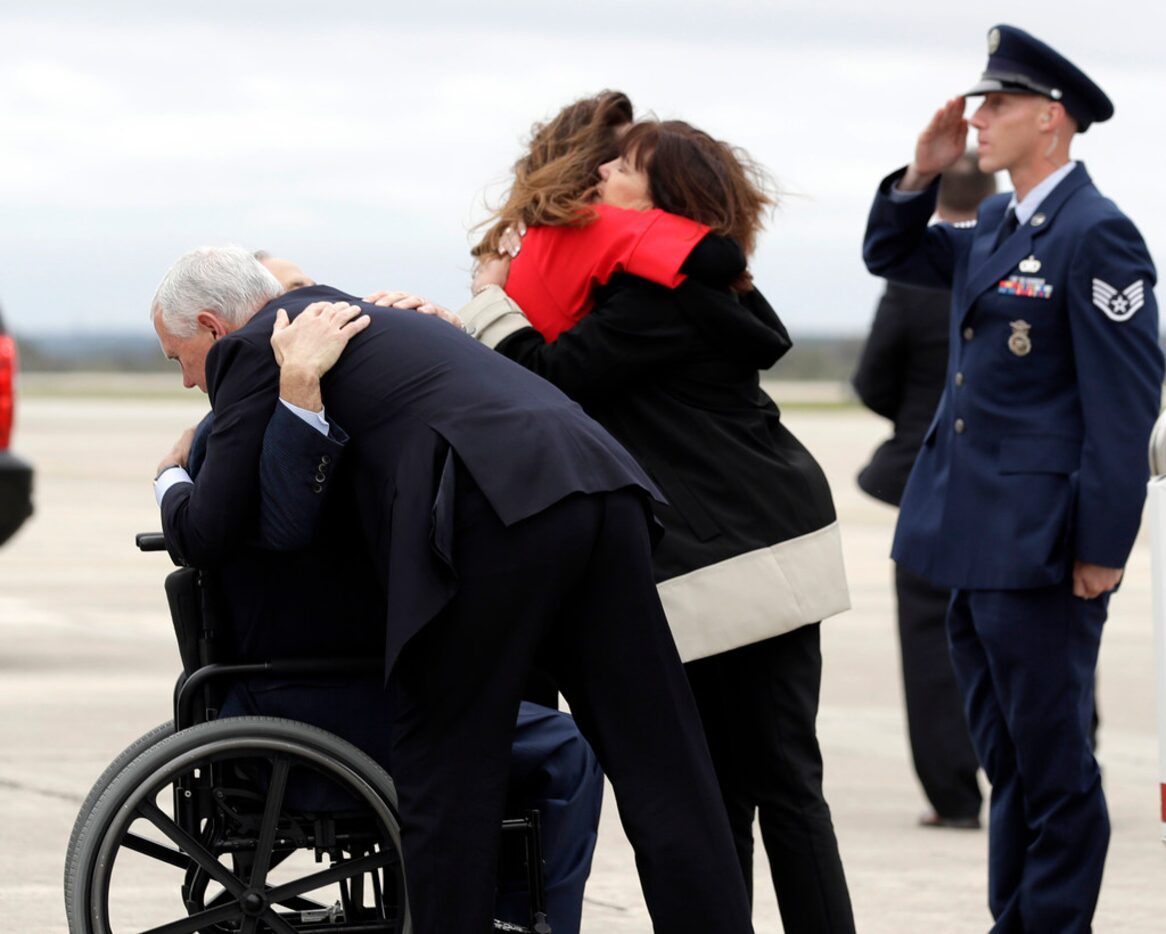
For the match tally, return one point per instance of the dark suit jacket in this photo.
(416, 397)
(319, 595)
(1037, 454)
(900, 377)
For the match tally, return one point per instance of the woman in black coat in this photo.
(751, 560)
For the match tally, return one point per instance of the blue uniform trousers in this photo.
(1025, 662)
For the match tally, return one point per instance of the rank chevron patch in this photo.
(1119, 306)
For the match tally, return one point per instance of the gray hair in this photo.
(226, 280)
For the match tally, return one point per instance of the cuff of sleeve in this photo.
(889, 187)
(315, 419)
(901, 197)
(492, 316)
(168, 478)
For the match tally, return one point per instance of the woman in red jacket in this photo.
(554, 186)
(752, 559)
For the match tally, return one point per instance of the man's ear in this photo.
(213, 323)
(1054, 116)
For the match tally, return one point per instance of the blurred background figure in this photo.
(900, 376)
(15, 474)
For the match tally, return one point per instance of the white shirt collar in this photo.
(1027, 208)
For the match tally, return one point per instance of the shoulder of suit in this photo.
(1088, 207)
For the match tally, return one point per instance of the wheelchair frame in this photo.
(229, 778)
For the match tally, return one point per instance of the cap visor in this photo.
(996, 86)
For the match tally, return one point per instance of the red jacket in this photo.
(559, 268)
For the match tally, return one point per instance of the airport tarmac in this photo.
(87, 663)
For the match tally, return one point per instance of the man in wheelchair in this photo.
(499, 527)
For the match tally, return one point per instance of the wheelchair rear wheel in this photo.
(124, 758)
(223, 827)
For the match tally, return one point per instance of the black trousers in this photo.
(759, 706)
(572, 585)
(941, 746)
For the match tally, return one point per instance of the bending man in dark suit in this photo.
(306, 591)
(502, 524)
(900, 376)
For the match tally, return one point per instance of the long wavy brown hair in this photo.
(696, 176)
(554, 182)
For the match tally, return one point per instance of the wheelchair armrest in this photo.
(150, 541)
(189, 690)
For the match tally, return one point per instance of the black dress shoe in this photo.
(931, 819)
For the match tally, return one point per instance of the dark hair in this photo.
(963, 186)
(696, 176)
(554, 182)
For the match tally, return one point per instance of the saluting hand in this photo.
(939, 146)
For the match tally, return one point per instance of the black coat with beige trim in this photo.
(751, 546)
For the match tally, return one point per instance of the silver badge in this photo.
(1037, 220)
(1020, 343)
(1032, 264)
(993, 41)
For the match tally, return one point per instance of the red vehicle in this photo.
(15, 474)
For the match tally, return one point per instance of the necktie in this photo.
(1006, 228)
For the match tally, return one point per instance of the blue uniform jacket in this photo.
(1037, 452)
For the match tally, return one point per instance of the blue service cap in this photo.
(1021, 64)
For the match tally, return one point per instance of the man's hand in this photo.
(309, 347)
(1092, 580)
(416, 303)
(939, 146)
(314, 341)
(179, 454)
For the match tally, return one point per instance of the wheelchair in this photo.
(260, 824)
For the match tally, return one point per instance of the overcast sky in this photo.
(361, 138)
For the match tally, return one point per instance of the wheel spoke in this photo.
(343, 870)
(270, 825)
(201, 921)
(154, 850)
(193, 848)
(276, 923)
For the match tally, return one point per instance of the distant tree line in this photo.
(115, 354)
(829, 359)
